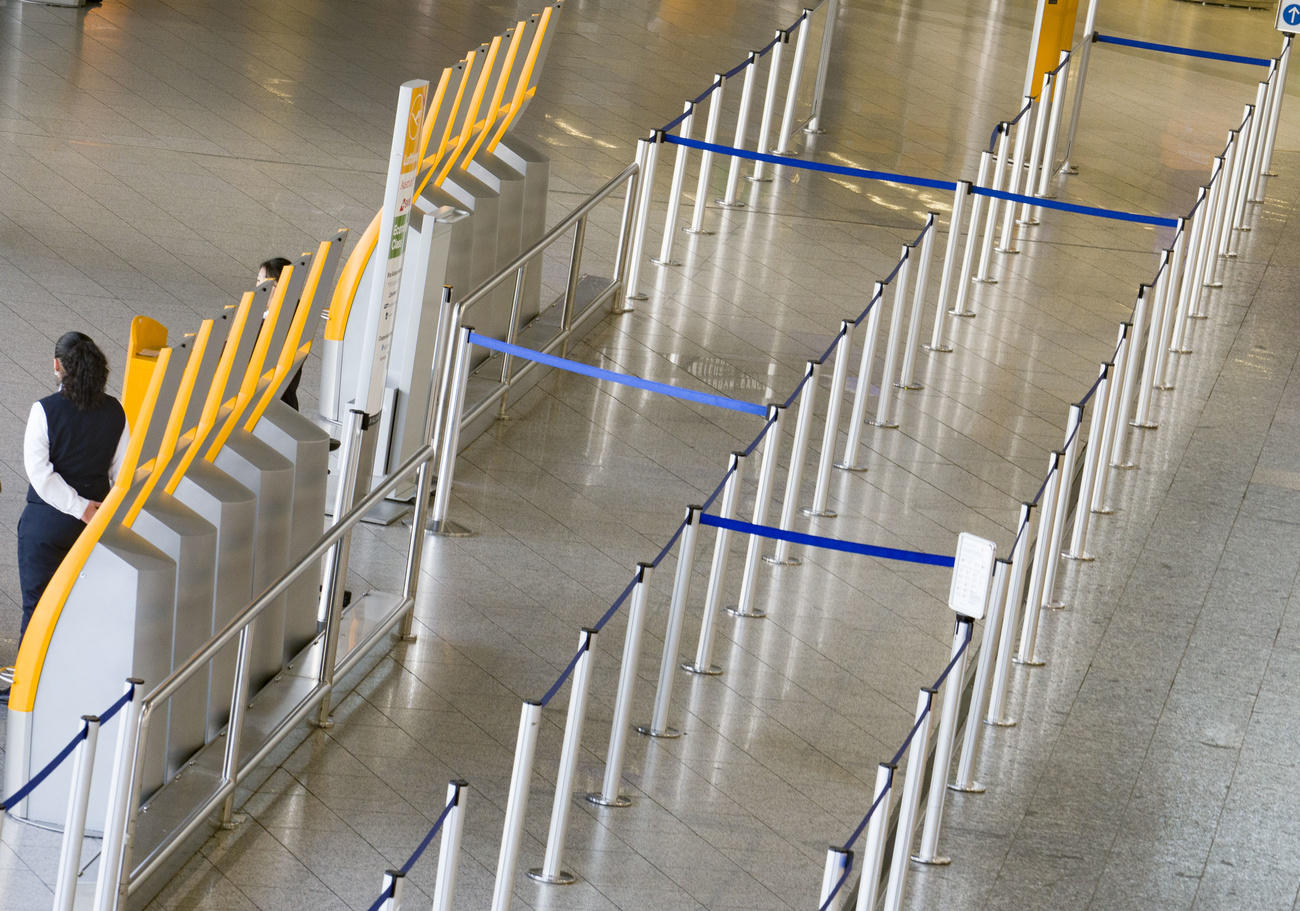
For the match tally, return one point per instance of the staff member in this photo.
(73, 447)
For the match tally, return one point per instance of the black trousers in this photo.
(45, 536)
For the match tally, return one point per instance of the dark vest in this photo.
(82, 444)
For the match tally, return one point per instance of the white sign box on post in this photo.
(1288, 16)
(971, 573)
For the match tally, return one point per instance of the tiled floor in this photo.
(152, 154)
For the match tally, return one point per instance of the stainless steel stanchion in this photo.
(112, 855)
(675, 194)
(964, 276)
(658, 726)
(964, 781)
(1128, 380)
(1042, 553)
(1190, 286)
(1059, 79)
(863, 384)
(1265, 118)
(1040, 114)
(949, 257)
(792, 88)
(991, 222)
(239, 701)
(1155, 332)
(907, 380)
(798, 455)
(769, 103)
(550, 872)
(1108, 425)
(873, 849)
(1249, 152)
(830, 433)
(1018, 164)
(888, 381)
(703, 663)
(1089, 36)
(1276, 109)
(74, 823)
(395, 888)
(1218, 241)
(837, 867)
(1073, 434)
(1010, 621)
(744, 606)
(1173, 294)
(814, 124)
(608, 796)
(439, 524)
(908, 805)
(706, 158)
(503, 890)
(943, 741)
(742, 125)
(1237, 185)
(444, 890)
(1082, 512)
(649, 153)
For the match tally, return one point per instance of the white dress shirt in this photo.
(45, 480)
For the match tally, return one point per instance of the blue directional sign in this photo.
(1288, 15)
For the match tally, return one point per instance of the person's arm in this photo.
(47, 482)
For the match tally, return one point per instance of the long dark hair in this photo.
(85, 369)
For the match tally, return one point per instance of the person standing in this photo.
(73, 448)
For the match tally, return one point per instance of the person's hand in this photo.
(91, 508)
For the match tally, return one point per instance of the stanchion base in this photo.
(692, 668)
(1079, 558)
(447, 529)
(883, 425)
(1211, 285)
(753, 179)
(745, 614)
(818, 131)
(1029, 663)
(562, 878)
(1180, 351)
(665, 262)
(619, 311)
(665, 734)
(938, 349)
(1198, 315)
(1008, 251)
(1145, 425)
(1056, 605)
(1124, 466)
(1001, 722)
(1071, 169)
(1169, 387)
(931, 861)
(326, 725)
(699, 233)
(637, 297)
(1104, 511)
(820, 513)
(912, 387)
(974, 788)
(774, 560)
(845, 466)
(964, 314)
(601, 800)
(236, 820)
(730, 205)
(1028, 223)
(983, 281)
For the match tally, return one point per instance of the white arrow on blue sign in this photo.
(1291, 14)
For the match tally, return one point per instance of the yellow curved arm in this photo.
(471, 114)
(147, 338)
(36, 642)
(345, 291)
(494, 106)
(524, 89)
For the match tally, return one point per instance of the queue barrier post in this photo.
(1155, 332)
(1039, 113)
(444, 890)
(888, 381)
(1276, 109)
(1108, 427)
(1251, 171)
(792, 89)
(1118, 457)
(1241, 192)
(665, 257)
(439, 524)
(550, 872)
(908, 379)
(794, 476)
(1173, 293)
(503, 889)
(728, 199)
(1190, 286)
(965, 277)
(863, 383)
(744, 606)
(608, 795)
(1016, 567)
(1089, 35)
(837, 866)
(823, 65)
(943, 741)
(910, 801)
(658, 726)
(706, 157)
(1073, 433)
(112, 855)
(394, 887)
(873, 849)
(1042, 550)
(1265, 118)
(1240, 159)
(991, 222)
(949, 258)
(649, 154)
(1206, 217)
(619, 302)
(703, 663)
(1008, 243)
(74, 823)
(769, 102)
(1082, 514)
(1219, 241)
(830, 432)
(964, 781)
(1059, 89)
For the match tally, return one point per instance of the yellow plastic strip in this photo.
(524, 90)
(146, 338)
(467, 66)
(212, 404)
(471, 115)
(289, 351)
(167, 446)
(494, 107)
(345, 291)
(248, 386)
(430, 164)
(36, 643)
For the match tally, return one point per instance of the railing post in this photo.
(991, 222)
(1155, 332)
(863, 385)
(1108, 426)
(1073, 429)
(658, 726)
(916, 756)
(792, 89)
(1089, 36)
(766, 471)
(1222, 193)
(823, 64)
(943, 742)
(1129, 379)
(626, 224)
(907, 380)
(550, 872)
(608, 796)
(769, 102)
(965, 277)
(1173, 294)
(1039, 113)
(1082, 514)
(949, 255)
(1010, 621)
(798, 454)
(706, 158)
(675, 193)
(888, 383)
(1008, 243)
(444, 889)
(1265, 114)
(74, 823)
(1053, 123)
(1042, 553)
(1276, 109)
(728, 199)
(112, 857)
(837, 867)
(964, 782)
(649, 155)
(830, 433)
(873, 849)
(239, 705)
(503, 890)
(1190, 287)
(439, 524)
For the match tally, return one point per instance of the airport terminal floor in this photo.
(153, 153)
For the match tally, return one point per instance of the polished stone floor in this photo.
(151, 154)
